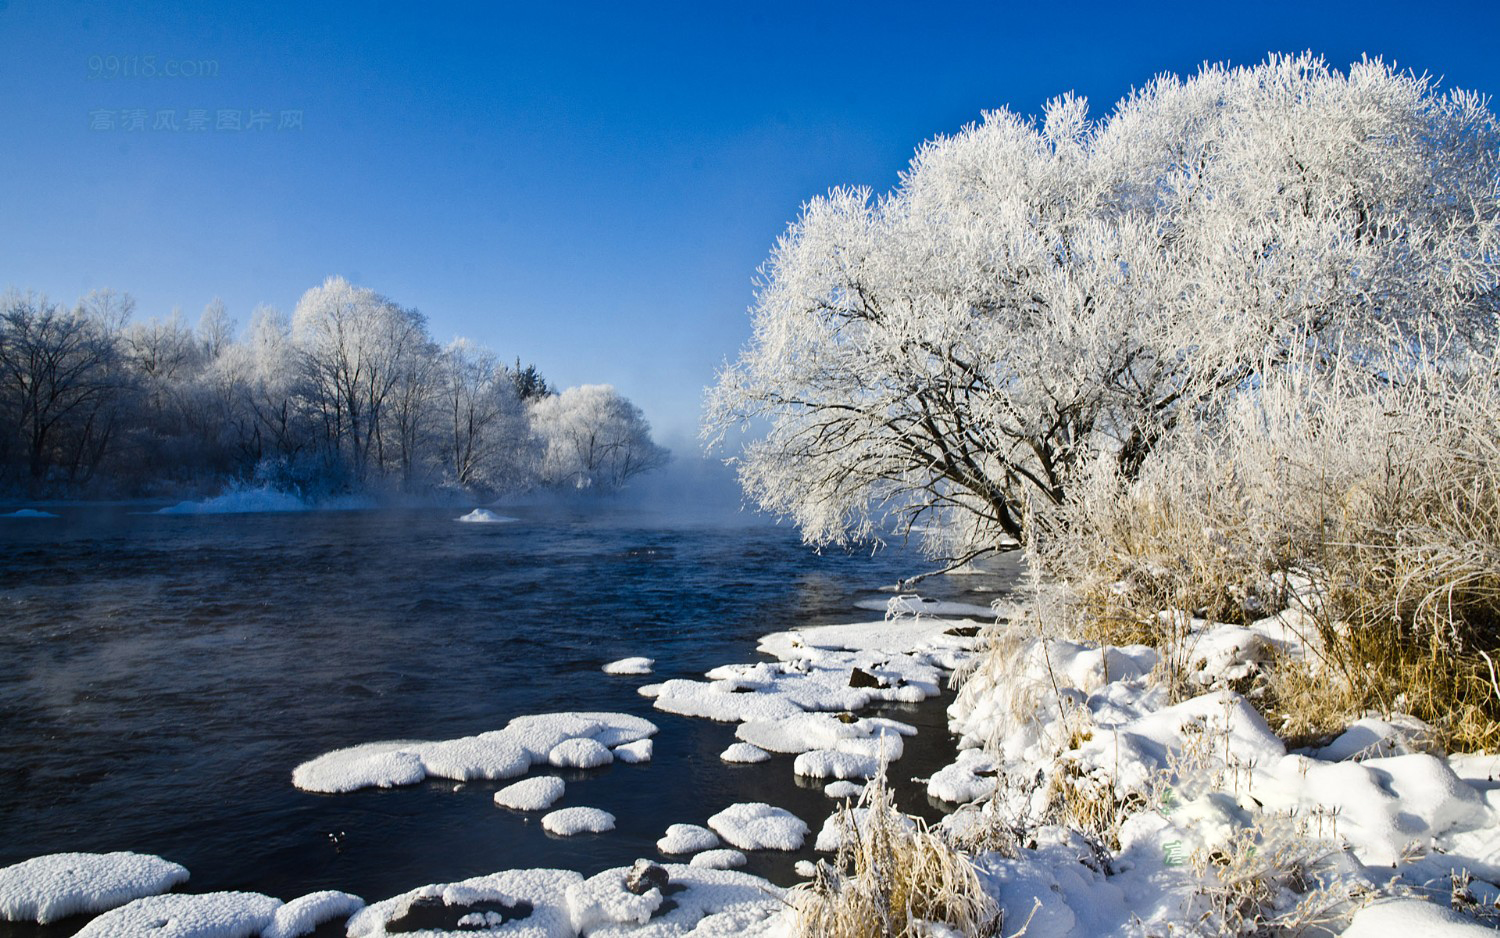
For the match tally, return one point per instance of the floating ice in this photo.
(630, 666)
(45, 889)
(530, 901)
(532, 794)
(843, 789)
(687, 838)
(718, 859)
(302, 916)
(526, 741)
(638, 751)
(569, 822)
(29, 513)
(179, 915)
(484, 516)
(744, 752)
(579, 754)
(759, 826)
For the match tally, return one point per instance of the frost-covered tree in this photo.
(1034, 295)
(593, 438)
(488, 442)
(356, 347)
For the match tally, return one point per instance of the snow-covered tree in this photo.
(356, 346)
(593, 438)
(1037, 294)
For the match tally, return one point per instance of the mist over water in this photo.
(163, 675)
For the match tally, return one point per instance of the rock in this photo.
(645, 876)
(858, 677)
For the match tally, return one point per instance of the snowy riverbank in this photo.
(1106, 808)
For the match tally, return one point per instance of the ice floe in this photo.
(580, 753)
(180, 915)
(28, 513)
(631, 753)
(303, 915)
(759, 826)
(484, 516)
(630, 666)
(524, 742)
(744, 753)
(687, 838)
(569, 822)
(45, 889)
(719, 859)
(532, 794)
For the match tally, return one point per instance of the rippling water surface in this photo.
(161, 675)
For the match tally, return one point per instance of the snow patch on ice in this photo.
(179, 915)
(532, 794)
(45, 889)
(303, 915)
(759, 826)
(630, 666)
(570, 822)
(687, 838)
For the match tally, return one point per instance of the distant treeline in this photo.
(350, 394)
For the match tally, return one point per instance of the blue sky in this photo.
(586, 186)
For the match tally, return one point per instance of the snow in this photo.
(29, 513)
(569, 822)
(301, 916)
(579, 754)
(721, 859)
(969, 778)
(603, 900)
(708, 903)
(843, 789)
(179, 915)
(484, 516)
(1410, 918)
(744, 753)
(633, 753)
(542, 890)
(687, 838)
(578, 738)
(532, 794)
(630, 666)
(45, 889)
(759, 826)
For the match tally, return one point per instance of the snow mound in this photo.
(759, 826)
(1412, 917)
(687, 838)
(718, 860)
(970, 778)
(843, 789)
(29, 513)
(630, 666)
(301, 916)
(210, 915)
(603, 900)
(744, 753)
(484, 516)
(707, 903)
(529, 903)
(631, 753)
(45, 889)
(532, 794)
(526, 741)
(569, 822)
(580, 753)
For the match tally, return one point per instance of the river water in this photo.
(160, 676)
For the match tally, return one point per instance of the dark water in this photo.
(161, 676)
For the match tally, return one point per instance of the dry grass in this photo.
(892, 878)
(1385, 492)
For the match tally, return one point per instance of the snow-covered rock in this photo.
(569, 822)
(532, 794)
(45, 889)
(759, 826)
